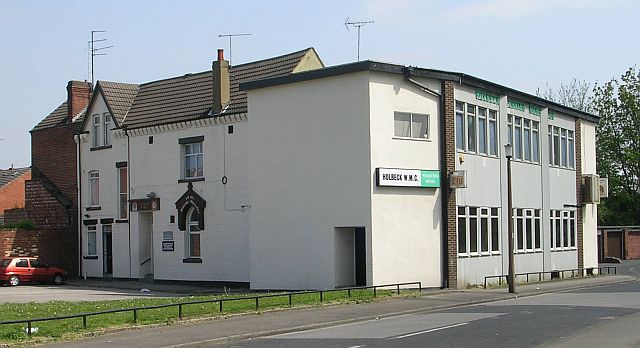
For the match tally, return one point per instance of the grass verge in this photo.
(66, 329)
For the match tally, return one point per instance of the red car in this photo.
(29, 269)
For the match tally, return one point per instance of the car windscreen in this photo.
(5, 262)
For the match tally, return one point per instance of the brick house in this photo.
(12, 183)
(51, 193)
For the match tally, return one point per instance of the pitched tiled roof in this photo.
(119, 96)
(58, 117)
(190, 96)
(8, 175)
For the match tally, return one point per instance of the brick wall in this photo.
(15, 215)
(449, 195)
(632, 245)
(579, 217)
(29, 243)
(12, 194)
(53, 153)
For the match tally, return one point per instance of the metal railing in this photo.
(220, 302)
(555, 274)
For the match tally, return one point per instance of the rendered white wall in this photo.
(406, 222)
(309, 172)
(345, 257)
(590, 211)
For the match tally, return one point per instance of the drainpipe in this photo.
(408, 73)
(126, 132)
(79, 198)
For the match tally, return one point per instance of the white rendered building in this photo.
(289, 175)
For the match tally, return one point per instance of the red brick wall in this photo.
(30, 243)
(53, 153)
(15, 215)
(578, 140)
(448, 194)
(632, 245)
(12, 194)
(44, 209)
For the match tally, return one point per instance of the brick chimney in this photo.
(221, 87)
(78, 94)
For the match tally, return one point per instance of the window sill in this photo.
(414, 139)
(122, 221)
(93, 208)
(563, 168)
(90, 257)
(100, 148)
(192, 260)
(477, 154)
(190, 180)
(564, 249)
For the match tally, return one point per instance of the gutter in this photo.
(408, 74)
(126, 132)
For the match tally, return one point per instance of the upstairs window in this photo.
(561, 147)
(409, 125)
(193, 161)
(122, 193)
(94, 188)
(106, 121)
(523, 134)
(96, 131)
(476, 129)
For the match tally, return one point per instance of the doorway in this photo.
(145, 245)
(107, 251)
(350, 256)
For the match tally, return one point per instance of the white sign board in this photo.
(407, 177)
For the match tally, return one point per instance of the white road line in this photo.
(356, 346)
(427, 331)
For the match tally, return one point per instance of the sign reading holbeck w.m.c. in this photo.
(407, 177)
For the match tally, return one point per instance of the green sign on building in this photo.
(430, 178)
(489, 98)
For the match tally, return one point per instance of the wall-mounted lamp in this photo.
(151, 195)
(86, 216)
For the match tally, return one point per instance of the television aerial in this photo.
(358, 25)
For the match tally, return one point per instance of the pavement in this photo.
(204, 333)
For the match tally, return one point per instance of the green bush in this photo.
(26, 225)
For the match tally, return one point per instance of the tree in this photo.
(574, 95)
(618, 147)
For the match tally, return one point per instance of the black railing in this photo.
(220, 301)
(556, 274)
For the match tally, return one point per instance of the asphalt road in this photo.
(606, 316)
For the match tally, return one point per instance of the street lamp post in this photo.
(511, 277)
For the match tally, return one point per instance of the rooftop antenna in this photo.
(93, 51)
(231, 36)
(358, 25)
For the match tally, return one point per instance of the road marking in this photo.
(356, 346)
(427, 331)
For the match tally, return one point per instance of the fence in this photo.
(290, 295)
(554, 274)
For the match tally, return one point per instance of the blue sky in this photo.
(523, 44)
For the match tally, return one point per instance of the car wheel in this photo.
(14, 280)
(58, 279)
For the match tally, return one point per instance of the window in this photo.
(460, 140)
(94, 188)
(523, 134)
(37, 263)
(193, 160)
(476, 129)
(561, 147)
(563, 229)
(471, 128)
(106, 118)
(408, 125)
(96, 131)
(122, 193)
(22, 263)
(527, 225)
(478, 231)
(193, 234)
(92, 249)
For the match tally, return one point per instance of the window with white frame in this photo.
(476, 129)
(478, 231)
(527, 226)
(92, 248)
(94, 188)
(524, 136)
(122, 193)
(96, 131)
(193, 234)
(561, 147)
(562, 227)
(193, 160)
(410, 125)
(106, 122)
